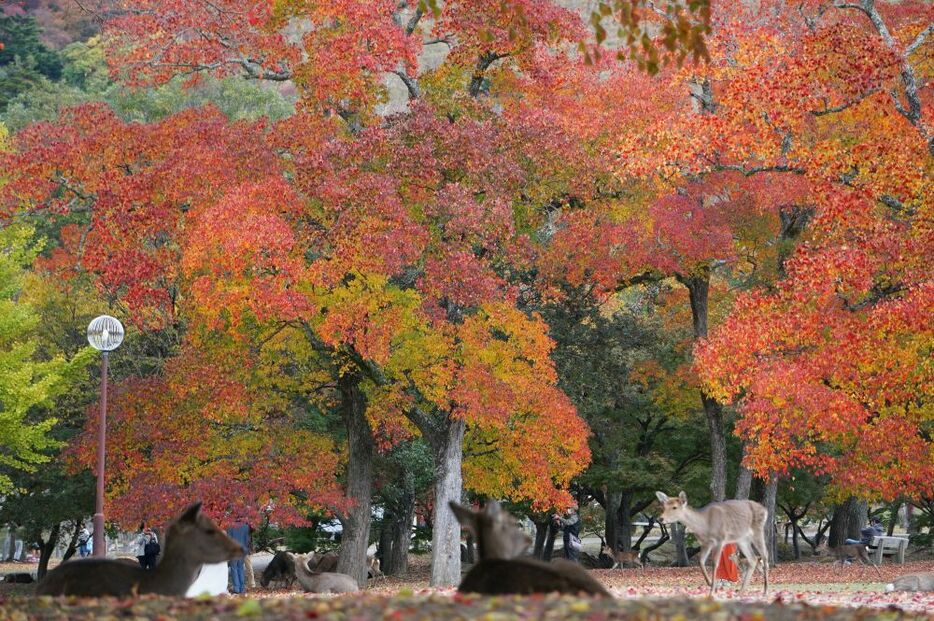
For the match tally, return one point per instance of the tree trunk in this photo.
(893, 517)
(624, 535)
(662, 539)
(549, 550)
(402, 533)
(743, 479)
(73, 542)
(356, 522)
(385, 542)
(611, 530)
(698, 290)
(46, 548)
(446, 535)
(679, 540)
(839, 523)
(541, 534)
(11, 550)
(771, 494)
(794, 540)
(857, 520)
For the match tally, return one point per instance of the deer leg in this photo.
(751, 563)
(705, 552)
(864, 557)
(758, 542)
(716, 565)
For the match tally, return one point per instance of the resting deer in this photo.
(919, 582)
(741, 522)
(321, 581)
(499, 572)
(624, 558)
(328, 562)
(846, 551)
(190, 541)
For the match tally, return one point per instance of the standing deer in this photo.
(845, 551)
(624, 558)
(741, 522)
(191, 540)
(499, 572)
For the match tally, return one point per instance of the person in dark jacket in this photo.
(866, 535)
(570, 523)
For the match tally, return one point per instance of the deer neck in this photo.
(694, 521)
(174, 574)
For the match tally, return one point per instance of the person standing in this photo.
(570, 523)
(139, 545)
(151, 549)
(84, 538)
(239, 532)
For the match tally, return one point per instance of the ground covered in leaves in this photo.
(799, 591)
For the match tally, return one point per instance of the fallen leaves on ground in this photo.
(798, 591)
(368, 606)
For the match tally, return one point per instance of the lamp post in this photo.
(105, 334)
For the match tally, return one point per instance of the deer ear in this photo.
(683, 497)
(464, 515)
(662, 497)
(191, 513)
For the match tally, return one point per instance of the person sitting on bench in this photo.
(866, 535)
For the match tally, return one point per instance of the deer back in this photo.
(322, 582)
(524, 576)
(732, 520)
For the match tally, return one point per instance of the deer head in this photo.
(199, 537)
(672, 508)
(497, 533)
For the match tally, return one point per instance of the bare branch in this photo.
(846, 105)
(919, 40)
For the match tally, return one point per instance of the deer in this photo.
(321, 581)
(623, 558)
(191, 540)
(281, 569)
(328, 562)
(500, 572)
(742, 522)
(923, 581)
(852, 550)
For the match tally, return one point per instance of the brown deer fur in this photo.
(623, 558)
(321, 581)
(499, 572)
(190, 541)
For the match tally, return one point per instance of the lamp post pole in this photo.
(100, 546)
(105, 334)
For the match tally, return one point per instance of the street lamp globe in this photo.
(105, 333)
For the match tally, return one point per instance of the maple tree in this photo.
(830, 131)
(357, 255)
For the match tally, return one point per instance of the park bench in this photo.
(885, 545)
